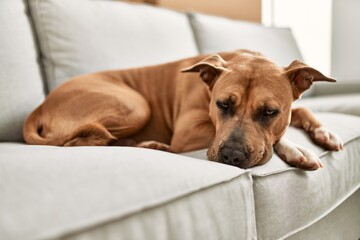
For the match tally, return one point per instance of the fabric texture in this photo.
(130, 193)
(120, 193)
(20, 79)
(216, 34)
(344, 103)
(106, 35)
(339, 224)
(291, 199)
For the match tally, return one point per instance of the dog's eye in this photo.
(270, 112)
(226, 107)
(265, 115)
(223, 105)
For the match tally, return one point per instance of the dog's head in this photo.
(250, 104)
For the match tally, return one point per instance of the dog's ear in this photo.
(210, 68)
(302, 76)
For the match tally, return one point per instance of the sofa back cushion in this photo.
(21, 85)
(83, 36)
(215, 34)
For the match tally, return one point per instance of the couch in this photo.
(49, 192)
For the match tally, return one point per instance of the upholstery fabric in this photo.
(291, 199)
(331, 228)
(20, 79)
(342, 103)
(107, 35)
(120, 193)
(130, 193)
(215, 34)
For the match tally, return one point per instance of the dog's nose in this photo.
(234, 156)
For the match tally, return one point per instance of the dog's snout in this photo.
(234, 155)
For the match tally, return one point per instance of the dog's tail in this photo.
(33, 128)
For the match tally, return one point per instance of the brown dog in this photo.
(240, 113)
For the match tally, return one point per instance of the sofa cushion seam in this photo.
(324, 214)
(36, 11)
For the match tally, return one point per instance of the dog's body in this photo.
(241, 112)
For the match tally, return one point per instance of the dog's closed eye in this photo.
(264, 115)
(226, 107)
(270, 112)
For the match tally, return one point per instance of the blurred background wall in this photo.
(249, 10)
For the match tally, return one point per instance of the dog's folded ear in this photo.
(210, 68)
(302, 76)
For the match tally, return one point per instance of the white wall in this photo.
(346, 40)
(310, 21)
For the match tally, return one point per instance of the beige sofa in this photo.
(131, 193)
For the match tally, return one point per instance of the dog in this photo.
(237, 104)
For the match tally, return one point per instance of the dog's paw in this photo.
(154, 145)
(297, 156)
(326, 139)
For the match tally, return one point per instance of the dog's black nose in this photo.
(234, 156)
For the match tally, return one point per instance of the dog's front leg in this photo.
(303, 118)
(193, 131)
(297, 156)
(154, 145)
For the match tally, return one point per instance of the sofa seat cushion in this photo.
(342, 103)
(291, 199)
(85, 36)
(120, 193)
(21, 85)
(288, 199)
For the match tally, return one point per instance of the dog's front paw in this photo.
(297, 156)
(325, 138)
(154, 145)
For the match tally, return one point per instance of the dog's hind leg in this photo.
(91, 134)
(303, 118)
